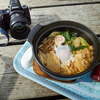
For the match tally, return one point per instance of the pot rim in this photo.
(55, 75)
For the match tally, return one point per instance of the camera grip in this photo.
(33, 31)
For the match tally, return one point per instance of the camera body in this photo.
(16, 19)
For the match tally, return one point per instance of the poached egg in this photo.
(63, 52)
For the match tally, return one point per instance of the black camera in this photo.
(16, 19)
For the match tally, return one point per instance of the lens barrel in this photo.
(18, 25)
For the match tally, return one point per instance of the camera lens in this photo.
(19, 28)
(19, 25)
(20, 31)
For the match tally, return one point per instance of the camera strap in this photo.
(4, 37)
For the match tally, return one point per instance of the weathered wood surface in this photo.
(14, 86)
(88, 15)
(4, 3)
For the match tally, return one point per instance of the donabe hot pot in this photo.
(40, 32)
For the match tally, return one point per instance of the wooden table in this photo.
(14, 86)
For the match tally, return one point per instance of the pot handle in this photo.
(33, 31)
(98, 35)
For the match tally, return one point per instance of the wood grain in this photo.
(14, 86)
(4, 3)
(88, 15)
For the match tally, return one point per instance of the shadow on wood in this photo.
(7, 81)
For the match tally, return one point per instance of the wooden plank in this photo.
(53, 2)
(6, 58)
(14, 86)
(86, 14)
(4, 3)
